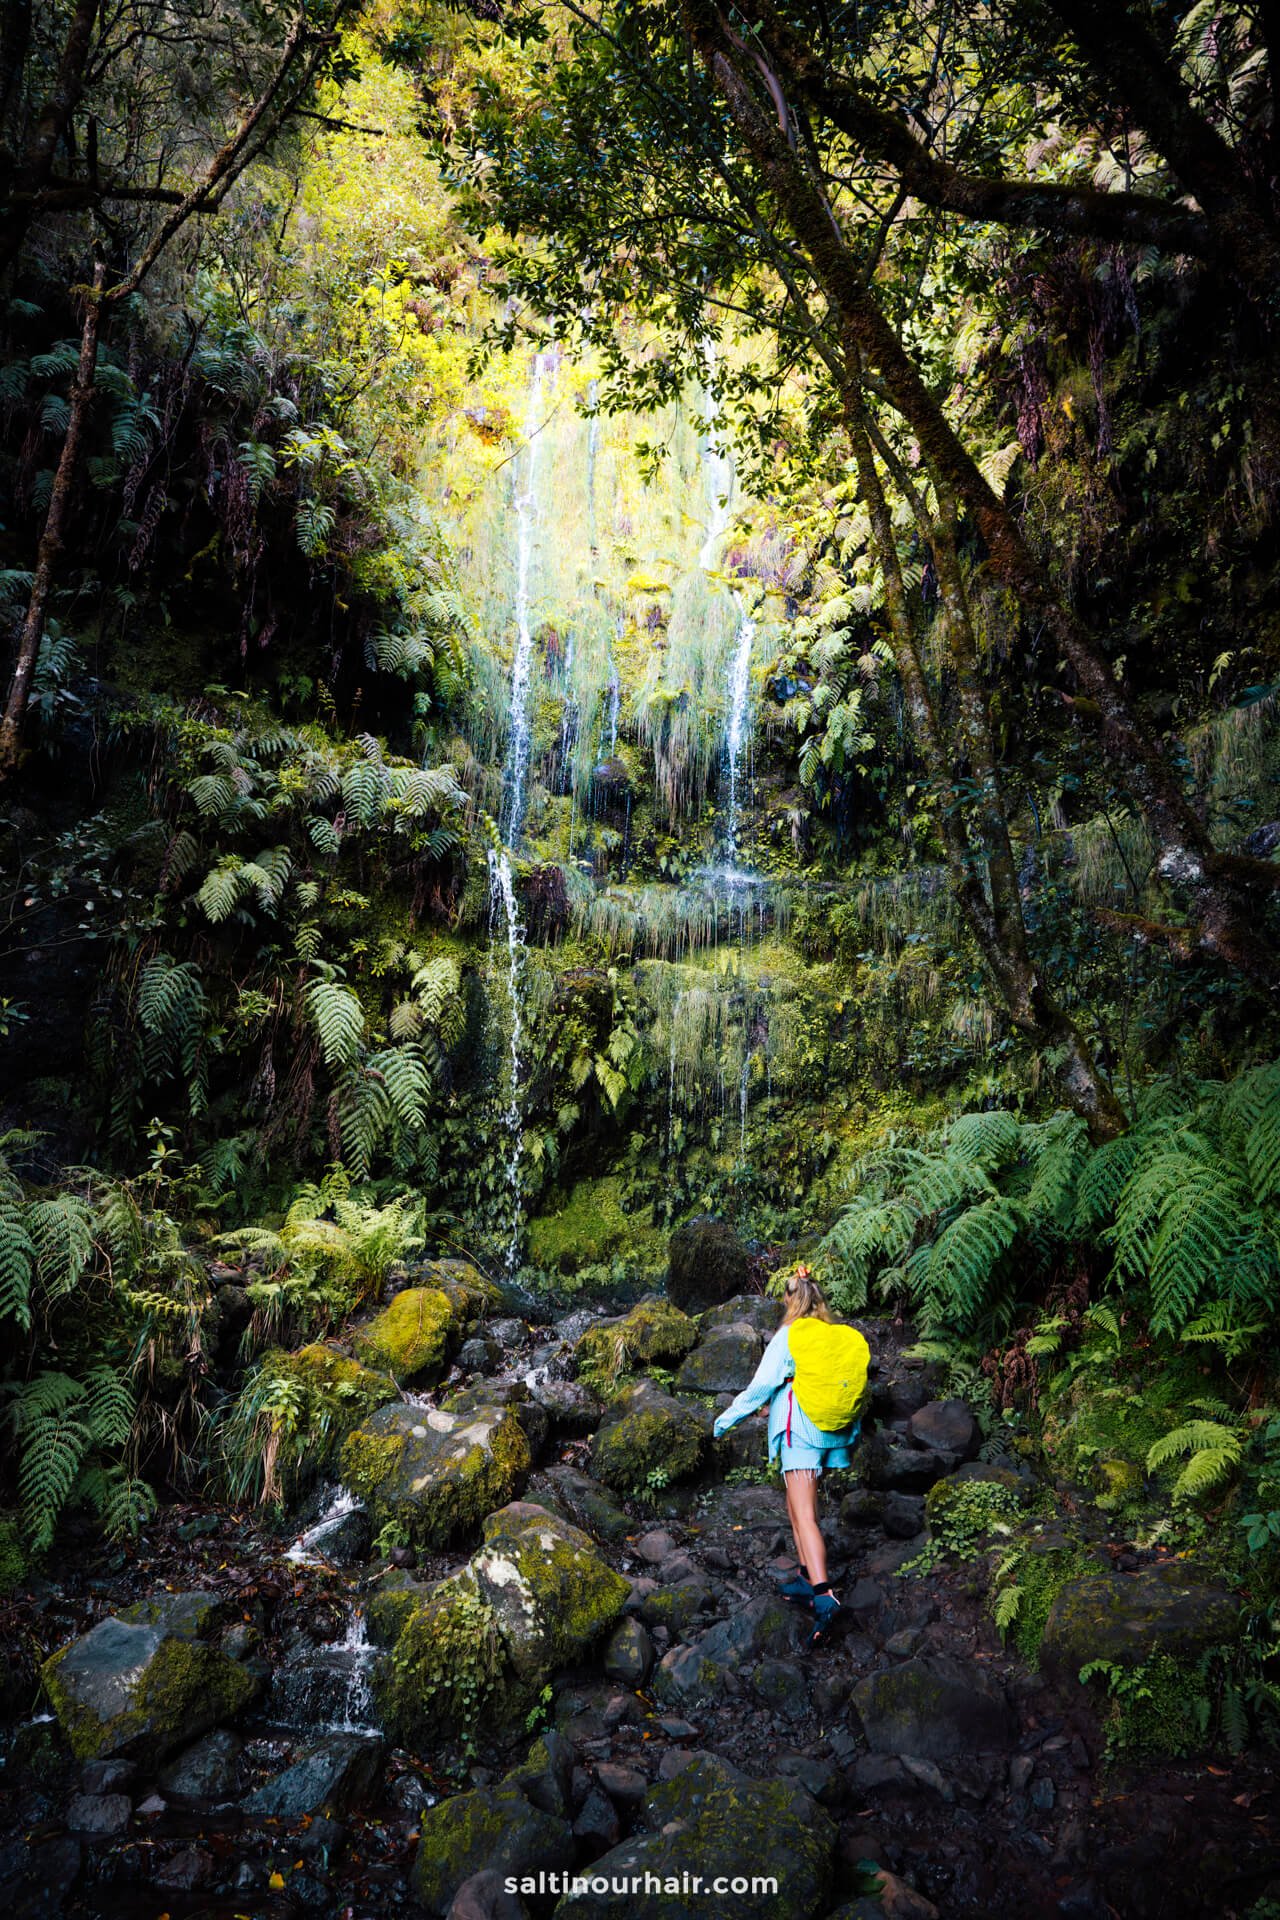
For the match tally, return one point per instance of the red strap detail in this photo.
(790, 1398)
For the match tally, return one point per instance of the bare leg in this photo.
(802, 1511)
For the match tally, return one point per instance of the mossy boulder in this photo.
(768, 1835)
(722, 1362)
(1129, 1619)
(500, 1828)
(436, 1473)
(552, 1593)
(513, 1394)
(471, 1293)
(333, 1393)
(707, 1264)
(13, 1554)
(140, 1686)
(654, 1332)
(935, 1709)
(410, 1339)
(647, 1440)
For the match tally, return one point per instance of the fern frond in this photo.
(338, 1018)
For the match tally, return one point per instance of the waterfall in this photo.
(718, 477)
(504, 911)
(742, 1107)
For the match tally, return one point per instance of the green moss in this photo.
(590, 1227)
(410, 1338)
(13, 1556)
(368, 1460)
(653, 1331)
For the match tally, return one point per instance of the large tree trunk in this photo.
(1222, 892)
(52, 538)
(997, 923)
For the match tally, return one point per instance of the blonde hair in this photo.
(804, 1298)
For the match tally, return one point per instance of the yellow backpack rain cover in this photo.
(831, 1371)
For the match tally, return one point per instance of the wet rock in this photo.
(722, 1362)
(654, 1332)
(207, 1770)
(628, 1658)
(933, 1708)
(411, 1338)
(894, 1467)
(730, 1826)
(140, 1686)
(109, 1776)
(1018, 1479)
(484, 1897)
(597, 1827)
(878, 1772)
(754, 1310)
(545, 1775)
(338, 1771)
(945, 1426)
(186, 1871)
(583, 1500)
(670, 1610)
(903, 1515)
(647, 1436)
(898, 1901)
(551, 1592)
(817, 1777)
(1128, 1618)
(479, 1356)
(53, 1867)
(436, 1473)
(570, 1406)
(99, 1813)
(707, 1264)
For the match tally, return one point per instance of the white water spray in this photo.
(504, 911)
(719, 477)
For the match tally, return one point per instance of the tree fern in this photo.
(965, 1258)
(988, 1140)
(61, 1230)
(17, 1266)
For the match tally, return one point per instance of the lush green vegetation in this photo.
(983, 1019)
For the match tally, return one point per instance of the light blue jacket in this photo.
(809, 1446)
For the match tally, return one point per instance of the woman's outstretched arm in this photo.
(775, 1369)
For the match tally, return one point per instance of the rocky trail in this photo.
(608, 1682)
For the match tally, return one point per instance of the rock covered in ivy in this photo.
(646, 1440)
(143, 1682)
(1129, 1618)
(933, 1708)
(519, 1827)
(437, 1474)
(654, 1332)
(411, 1338)
(707, 1264)
(723, 1360)
(551, 1592)
(714, 1821)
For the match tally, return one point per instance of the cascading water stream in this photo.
(504, 913)
(718, 474)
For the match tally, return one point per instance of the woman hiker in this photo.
(813, 1373)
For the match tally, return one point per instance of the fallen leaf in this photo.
(276, 1882)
